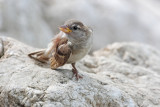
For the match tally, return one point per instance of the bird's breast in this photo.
(78, 52)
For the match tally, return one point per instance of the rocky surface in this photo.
(1, 48)
(120, 75)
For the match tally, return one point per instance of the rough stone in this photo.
(1, 48)
(120, 75)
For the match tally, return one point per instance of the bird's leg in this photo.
(75, 71)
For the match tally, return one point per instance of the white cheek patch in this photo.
(79, 26)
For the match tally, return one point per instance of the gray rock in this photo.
(1, 48)
(120, 75)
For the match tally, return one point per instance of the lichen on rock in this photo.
(120, 75)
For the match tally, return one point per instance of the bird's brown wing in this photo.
(61, 55)
(58, 53)
(44, 55)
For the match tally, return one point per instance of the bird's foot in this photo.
(75, 73)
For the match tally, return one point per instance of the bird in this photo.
(71, 44)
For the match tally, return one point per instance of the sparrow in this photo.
(70, 45)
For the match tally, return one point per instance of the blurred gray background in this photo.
(35, 22)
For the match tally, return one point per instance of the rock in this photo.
(120, 75)
(1, 48)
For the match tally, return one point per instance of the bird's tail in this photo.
(39, 56)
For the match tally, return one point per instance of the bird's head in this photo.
(76, 30)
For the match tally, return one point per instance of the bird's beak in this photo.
(65, 29)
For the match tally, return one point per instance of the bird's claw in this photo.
(75, 73)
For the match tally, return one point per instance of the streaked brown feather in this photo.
(43, 56)
(39, 56)
(61, 55)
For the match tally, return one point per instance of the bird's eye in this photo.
(75, 27)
